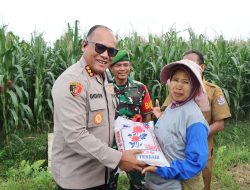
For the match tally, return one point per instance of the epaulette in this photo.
(211, 84)
(138, 83)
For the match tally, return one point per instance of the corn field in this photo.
(29, 69)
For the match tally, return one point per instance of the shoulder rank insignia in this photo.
(89, 71)
(75, 88)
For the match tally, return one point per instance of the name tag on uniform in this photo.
(95, 96)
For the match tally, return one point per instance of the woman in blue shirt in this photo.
(181, 130)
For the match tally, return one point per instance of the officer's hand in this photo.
(128, 161)
(151, 169)
(157, 109)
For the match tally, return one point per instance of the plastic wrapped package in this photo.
(130, 134)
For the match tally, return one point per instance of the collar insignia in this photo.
(89, 71)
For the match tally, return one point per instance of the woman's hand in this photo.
(151, 169)
(157, 109)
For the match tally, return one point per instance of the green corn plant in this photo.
(15, 110)
(32, 67)
(41, 80)
(150, 55)
(67, 49)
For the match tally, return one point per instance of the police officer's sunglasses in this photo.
(100, 48)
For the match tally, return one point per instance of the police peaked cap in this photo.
(122, 55)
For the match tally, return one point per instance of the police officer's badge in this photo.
(75, 88)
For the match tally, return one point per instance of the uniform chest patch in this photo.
(221, 100)
(98, 118)
(75, 88)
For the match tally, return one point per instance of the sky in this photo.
(230, 18)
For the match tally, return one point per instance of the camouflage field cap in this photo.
(122, 55)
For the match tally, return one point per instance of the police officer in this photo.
(84, 111)
(215, 117)
(133, 98)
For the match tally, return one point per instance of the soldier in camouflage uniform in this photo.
(133, 98)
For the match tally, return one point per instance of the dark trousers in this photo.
(101, 187)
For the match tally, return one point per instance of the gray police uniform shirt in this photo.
(84, 111)
(170, 131)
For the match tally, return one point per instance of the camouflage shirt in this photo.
(133, 98)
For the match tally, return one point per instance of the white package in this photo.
(137, 135)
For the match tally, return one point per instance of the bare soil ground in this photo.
(241, 175)
(215, 184)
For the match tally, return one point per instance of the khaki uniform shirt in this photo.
(219, 107)
(84, 111)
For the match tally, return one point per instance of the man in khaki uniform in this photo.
(215, 117)
(84, 111)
